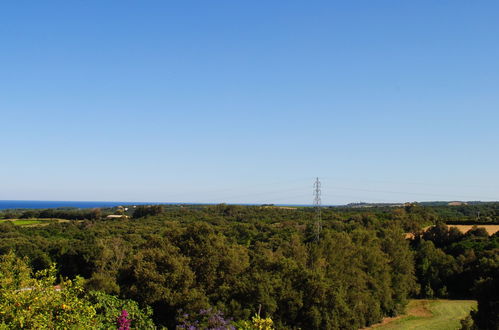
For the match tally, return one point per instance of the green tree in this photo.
(433, 268)
(160, 276)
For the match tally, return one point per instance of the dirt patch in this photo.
(419, 308)
(385, 321)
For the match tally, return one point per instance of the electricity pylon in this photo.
(317, 206)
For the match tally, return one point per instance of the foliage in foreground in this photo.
(211, 319)
(31, 301)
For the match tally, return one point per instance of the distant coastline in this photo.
(20, 204)
(27, 204)
(36, 204)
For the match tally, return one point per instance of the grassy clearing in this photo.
(33, 222)
(430, 314)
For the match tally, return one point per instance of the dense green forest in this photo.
(191, 264)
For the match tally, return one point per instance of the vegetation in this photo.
(61, 213)
(19, 222)
(432, 315)
(31, 301)
(33, 222)
(234, 261)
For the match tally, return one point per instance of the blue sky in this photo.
(249, 101)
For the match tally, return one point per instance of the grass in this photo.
(431, 314)
(32, 222)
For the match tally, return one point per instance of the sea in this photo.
(6, 205)
(20, 204)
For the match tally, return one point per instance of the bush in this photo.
(33, 302)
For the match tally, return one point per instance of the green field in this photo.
(31, 222)
(431, 314)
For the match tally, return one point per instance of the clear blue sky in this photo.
(249, 101)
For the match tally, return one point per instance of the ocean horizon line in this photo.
(47, 204)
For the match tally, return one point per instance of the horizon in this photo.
(249, 102)
(117, 203)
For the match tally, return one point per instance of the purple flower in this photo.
(210, 319)
(123, 323)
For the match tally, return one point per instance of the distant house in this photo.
(116, 216)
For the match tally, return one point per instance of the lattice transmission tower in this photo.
(317, 205)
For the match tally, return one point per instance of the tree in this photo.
(486, 290)
(147, 210)
(433, 269)
(160, 276)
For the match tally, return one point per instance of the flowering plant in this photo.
(123, 322)
(209, 319)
